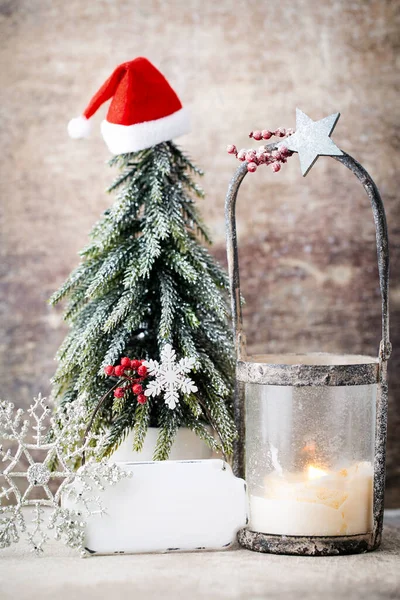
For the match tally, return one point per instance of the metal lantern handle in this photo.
(382, 245)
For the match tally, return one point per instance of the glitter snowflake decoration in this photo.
(62, 447)
(170, 376)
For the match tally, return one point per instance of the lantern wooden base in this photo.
(307, 546)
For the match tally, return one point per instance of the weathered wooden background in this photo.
(308, 260)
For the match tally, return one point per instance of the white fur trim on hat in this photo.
(79, 128)
(122, 139)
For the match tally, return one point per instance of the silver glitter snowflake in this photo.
(62, 446)
(170, 376)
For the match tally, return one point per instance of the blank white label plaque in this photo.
(169, 505)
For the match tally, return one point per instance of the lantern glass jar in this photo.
(310, 455)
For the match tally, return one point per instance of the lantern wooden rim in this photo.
(314, 369)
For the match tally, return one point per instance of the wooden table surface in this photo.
(236, 573)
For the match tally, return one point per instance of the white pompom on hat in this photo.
(79, 128)
(144, 110)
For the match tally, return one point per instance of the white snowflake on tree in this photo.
(62, 446)
(170, 376)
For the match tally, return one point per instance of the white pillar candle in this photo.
(315, 502)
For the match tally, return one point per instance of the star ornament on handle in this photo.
(312, 139)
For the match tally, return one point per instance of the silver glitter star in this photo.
(312, 140)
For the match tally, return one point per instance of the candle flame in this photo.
(315, 472)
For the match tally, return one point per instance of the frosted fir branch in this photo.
(142, 420)
(196, 224)
(126, 174)
(185, 159)
(122, 308)
(190, 316)
(170, 421)
(71, 283)
(72, 310)
(111, 267)
(157, 222)
(274, 158)
(116, 346)
(169, 301)
(149, 251)
(181, 265)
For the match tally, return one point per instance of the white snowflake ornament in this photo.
(170, 376)
(62, 446)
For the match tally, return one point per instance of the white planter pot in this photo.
(187, 446)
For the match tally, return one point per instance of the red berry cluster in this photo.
(132, 373)
(265, 134)
(262, 156)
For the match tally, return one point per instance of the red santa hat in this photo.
(144, 109)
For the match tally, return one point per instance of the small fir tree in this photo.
(145, 281)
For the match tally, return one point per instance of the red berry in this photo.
(283, 151)
(119, 370)
(266, 134)
(251, 155)
(276, 167)
(280, 132)
(119, 392)
(257, 135)
(137, 389)
(231, 149)
(135, 364)
(241, 155)
(126, 362)
(142, 371)
(109, 370)
(252, 167)
(142, 399)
